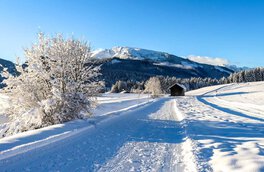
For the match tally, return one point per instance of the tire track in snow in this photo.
(188, 147)
(152, 156)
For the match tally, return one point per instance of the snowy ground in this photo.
(218, 128)
(227, 124)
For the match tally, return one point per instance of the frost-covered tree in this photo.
(119, 86)
(262, 74)
(57, 85)
(258, 74)
(251, 75)
(223, 80)
(153, 86)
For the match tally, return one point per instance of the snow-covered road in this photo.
(145, 139)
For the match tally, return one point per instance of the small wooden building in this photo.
(177, 90)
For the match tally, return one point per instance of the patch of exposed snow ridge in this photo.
(174, 65)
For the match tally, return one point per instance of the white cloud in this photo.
(208, 60)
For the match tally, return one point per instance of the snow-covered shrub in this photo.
(58, 84)
(153, 86)
(119, 86)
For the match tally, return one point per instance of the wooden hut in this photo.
(177, 90)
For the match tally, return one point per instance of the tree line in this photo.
(160, 84)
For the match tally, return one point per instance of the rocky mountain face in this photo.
(7, 68)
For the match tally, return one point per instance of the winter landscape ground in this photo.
(219, 128)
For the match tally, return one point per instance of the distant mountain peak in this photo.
(130, 53)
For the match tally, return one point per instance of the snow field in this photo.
(227, 122)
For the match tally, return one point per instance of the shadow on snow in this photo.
(227, 110)
(228, 94)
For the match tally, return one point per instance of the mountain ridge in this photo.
(137, 64)
(152, 55)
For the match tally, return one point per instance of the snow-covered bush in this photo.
(58, 84)
(153, 86)
(119, 86)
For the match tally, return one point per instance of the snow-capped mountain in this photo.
(136, 64)
(160, 58)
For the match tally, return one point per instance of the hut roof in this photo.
(180, 85)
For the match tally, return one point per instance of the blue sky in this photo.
(229, 29)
